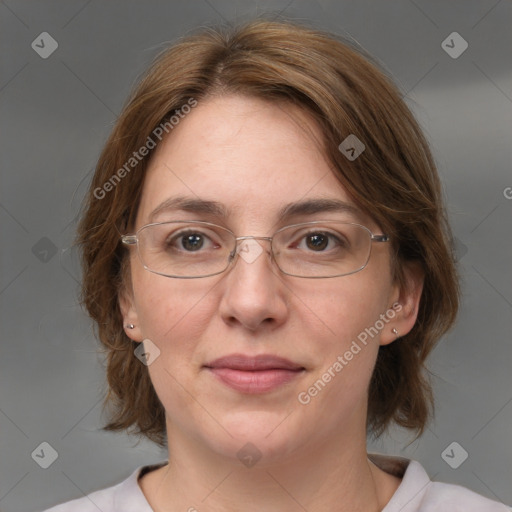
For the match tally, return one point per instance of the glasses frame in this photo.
(133, 239)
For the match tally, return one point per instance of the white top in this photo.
(416, 493)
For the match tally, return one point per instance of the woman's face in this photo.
(254, 158)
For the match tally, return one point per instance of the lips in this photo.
(257, 374)
(256, 363)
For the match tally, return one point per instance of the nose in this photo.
(254, 295)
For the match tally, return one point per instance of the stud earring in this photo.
(130, 326)
(395, 331)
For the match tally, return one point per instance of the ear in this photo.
(130, 316)
(405, 302)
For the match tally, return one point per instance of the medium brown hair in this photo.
(394, 180)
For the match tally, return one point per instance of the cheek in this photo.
(345, 353)
(346, 317)
(343, 367)
(172, 315)
(170, 310)
(343, 307)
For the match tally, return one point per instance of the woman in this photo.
(267, 259)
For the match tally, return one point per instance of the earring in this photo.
(130, 326)
(395, 331)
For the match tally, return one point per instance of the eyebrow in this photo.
(213, 208)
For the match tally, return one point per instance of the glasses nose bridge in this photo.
(250, 237)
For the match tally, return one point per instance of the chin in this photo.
(266, 436)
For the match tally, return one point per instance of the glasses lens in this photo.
(322, 249)
(185, 249)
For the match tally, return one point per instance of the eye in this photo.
(192, 242)
(317, 241)
(188, 241)
(320, 241)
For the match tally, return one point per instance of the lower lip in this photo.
(259, 381)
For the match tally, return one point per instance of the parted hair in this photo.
(394, 180)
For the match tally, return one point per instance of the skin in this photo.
(254, 157)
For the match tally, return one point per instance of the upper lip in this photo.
(254, 363)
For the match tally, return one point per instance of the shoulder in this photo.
(417, 493)
(454, 498)
(122, 497)
(102, 500)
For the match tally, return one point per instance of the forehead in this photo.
(252, 156)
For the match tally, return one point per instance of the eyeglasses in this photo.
(318, 249)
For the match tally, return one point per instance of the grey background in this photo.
(56, 114)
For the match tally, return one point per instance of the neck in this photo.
(323, 476)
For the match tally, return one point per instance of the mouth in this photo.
(257, 374)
